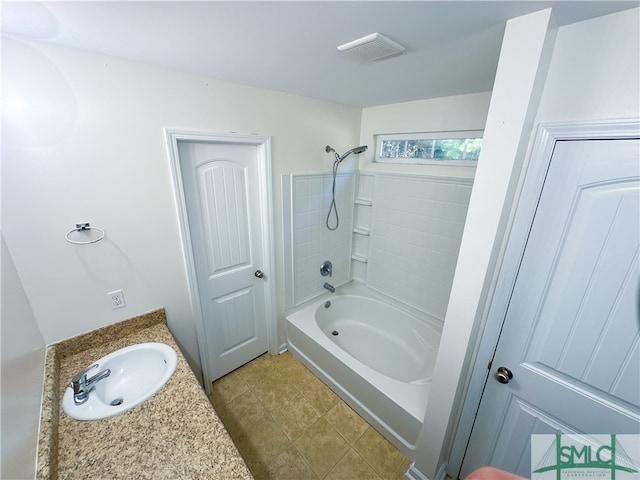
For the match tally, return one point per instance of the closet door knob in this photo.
(504, 375)
(259, 274)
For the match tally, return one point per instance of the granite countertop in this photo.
(176, 434)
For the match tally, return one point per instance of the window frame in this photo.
(440, 135)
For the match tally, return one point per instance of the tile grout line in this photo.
(268, 412)
(281, 366)
(292, 441)
(350, 445)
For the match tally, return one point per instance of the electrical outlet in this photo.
(117, 299)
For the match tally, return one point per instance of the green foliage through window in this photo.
(436, 148)
(433, 149)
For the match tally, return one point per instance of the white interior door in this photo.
(221, 190)
(571, 335)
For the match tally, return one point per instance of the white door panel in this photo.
(571, 335)
(221, 193)
(223, 202)
(521, 417)
(234, 324)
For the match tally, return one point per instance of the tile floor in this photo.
(287, 424)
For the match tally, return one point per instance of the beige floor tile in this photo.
(348, 423)
(352, 467)
(289, 465)
(262, 443)
(385, 459)
(289, 425)
(226, 414)
(276, 393)
(295, 415)
(227, 388)
(322, 447)
(403, 467)
(298, 374)
(258, 371)
(239, 415)
(320, 396)
(283, 360)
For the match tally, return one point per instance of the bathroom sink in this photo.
(136, 374)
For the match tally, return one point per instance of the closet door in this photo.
(568, 357)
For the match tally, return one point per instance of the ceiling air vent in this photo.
(372, 47)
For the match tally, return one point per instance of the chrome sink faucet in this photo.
(82, 385)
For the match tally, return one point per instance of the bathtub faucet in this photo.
(329, 287)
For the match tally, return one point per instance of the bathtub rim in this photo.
(420, 339)
(355, 287)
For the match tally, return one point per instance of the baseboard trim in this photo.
(441, 474)
(413, 473)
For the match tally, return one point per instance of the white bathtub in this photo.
(377, 355)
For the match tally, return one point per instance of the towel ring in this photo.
(83, 227)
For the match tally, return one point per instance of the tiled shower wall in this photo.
(415, 232)
(399, 234)
(308, 242)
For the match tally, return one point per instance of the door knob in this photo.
(259, 274)
(504, 375)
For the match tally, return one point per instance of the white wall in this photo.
(595, 71)
(460, 112)
(83, 141)
(23, 354)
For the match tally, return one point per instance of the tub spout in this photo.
(329, 287)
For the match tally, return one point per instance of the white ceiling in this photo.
(452, 47)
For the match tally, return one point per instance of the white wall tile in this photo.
(312, 242)
(416, 229)
(414, 226)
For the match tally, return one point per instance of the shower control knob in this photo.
(326, 268)
(504, 375)
(259, 274)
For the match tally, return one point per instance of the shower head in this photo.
(329, 149)
(333, 207)
(356, 150)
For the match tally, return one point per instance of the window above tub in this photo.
(460, 148)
